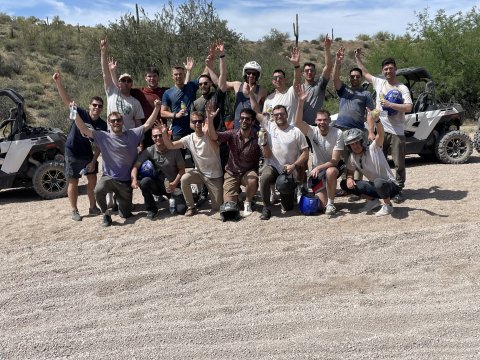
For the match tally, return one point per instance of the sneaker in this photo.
(76, 216)
(385, 210)
(370, 205)
(152, 214)
(107, 220)
(94, 211)
(330, 209)
(399, 198)
(247, 210)
(266, 214)
(353, 198)
(190, 212)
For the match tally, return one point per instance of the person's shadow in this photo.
(436, 193)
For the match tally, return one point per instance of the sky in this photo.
(254, 18)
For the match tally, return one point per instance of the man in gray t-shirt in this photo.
(315, 89)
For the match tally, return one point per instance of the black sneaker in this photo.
(266, 214)
(152, 214)
(107, 220)
(399, 198)
(94, 211)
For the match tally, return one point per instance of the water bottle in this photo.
(171, 205)
(83, 172)
(73, 112)
(260, 137)
(166, 183)
(183, 106)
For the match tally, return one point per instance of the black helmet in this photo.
(285, 183)
(229, 211)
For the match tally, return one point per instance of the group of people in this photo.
(268, 149)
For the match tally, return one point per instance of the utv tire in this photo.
(49, 180)
(454, 147)
(476, 140)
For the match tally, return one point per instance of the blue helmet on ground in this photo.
(393, 96)
(146, 169)
(309, 204)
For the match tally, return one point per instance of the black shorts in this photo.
(73, 165)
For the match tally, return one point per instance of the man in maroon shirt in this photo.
(147, 96)
(243, 158)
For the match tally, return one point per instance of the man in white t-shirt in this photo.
(372, 163)
(206, 155)
(285, 150)
(327, 147)
(282, 95)
(392, 115)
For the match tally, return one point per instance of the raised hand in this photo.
(210, 110)
(327, 42)
(189, 64)
(300, 93)
(340, 54)
(112, 64)
(219, 47)
(103, 44)
(57, 77)
(295, 56)
(358, 53)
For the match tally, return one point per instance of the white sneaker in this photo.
(330, 209)
(370, 205)
(247, 210)
(385, 210)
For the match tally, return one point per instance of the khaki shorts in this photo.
(231, 183)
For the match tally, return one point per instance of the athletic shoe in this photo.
(330, 210)
(152, 214)
(370, 205)
(266, 214)
(399, 198)
(107, 220)
(76, 216)
(247, 210)
(190, 212)
(94, 211)
(353, 198)
(385, 210)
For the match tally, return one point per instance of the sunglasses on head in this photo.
(95, 105)
(126, 80)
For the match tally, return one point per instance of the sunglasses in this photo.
(116, 120)
(278, 77)
(254, 73)
(126, 80)
(355, 76)
(245, 118)
(97, 105)
(279, 114)
(203, 84)
(195, 122)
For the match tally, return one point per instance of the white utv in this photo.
(29, 156)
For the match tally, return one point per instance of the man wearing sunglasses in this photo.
(119, 152)
(78, 150)
(119, 98)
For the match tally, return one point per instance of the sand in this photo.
(349, 287)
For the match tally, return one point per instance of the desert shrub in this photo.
(363, 37)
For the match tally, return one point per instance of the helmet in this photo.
(352, 135)
(393, 96)
(229, 211)
(252, 65)
(309, 204)
(285, 183)
(146, 169)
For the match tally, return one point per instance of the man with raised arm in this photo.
(78, 150)
(372, 163)
(119, 152)
(327, 146)
(393, 100)
(316, 89)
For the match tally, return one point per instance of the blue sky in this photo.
(254, 19)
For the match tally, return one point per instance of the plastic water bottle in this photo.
(83, 172)
(73, 112)
(171, 205)
(260, 137)
(183, 106)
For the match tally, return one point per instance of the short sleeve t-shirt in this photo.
(79, 145)
(353, 104)
(323, 146)
(205, 153)
(287, 99)
(315, 99)
(128, 106)
(167, 162)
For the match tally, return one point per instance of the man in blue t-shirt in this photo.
(119, 152)
(78, 151)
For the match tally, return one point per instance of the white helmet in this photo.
(252, 65)
(352, 135)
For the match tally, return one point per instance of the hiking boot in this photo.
(399, 198)
(370, 205)
(190, 212)
(76, 216)
(152, 214)
(107, 220)
(385, 210)
(94, 211)
(247, 209)
(266, 214)
(330, 210)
